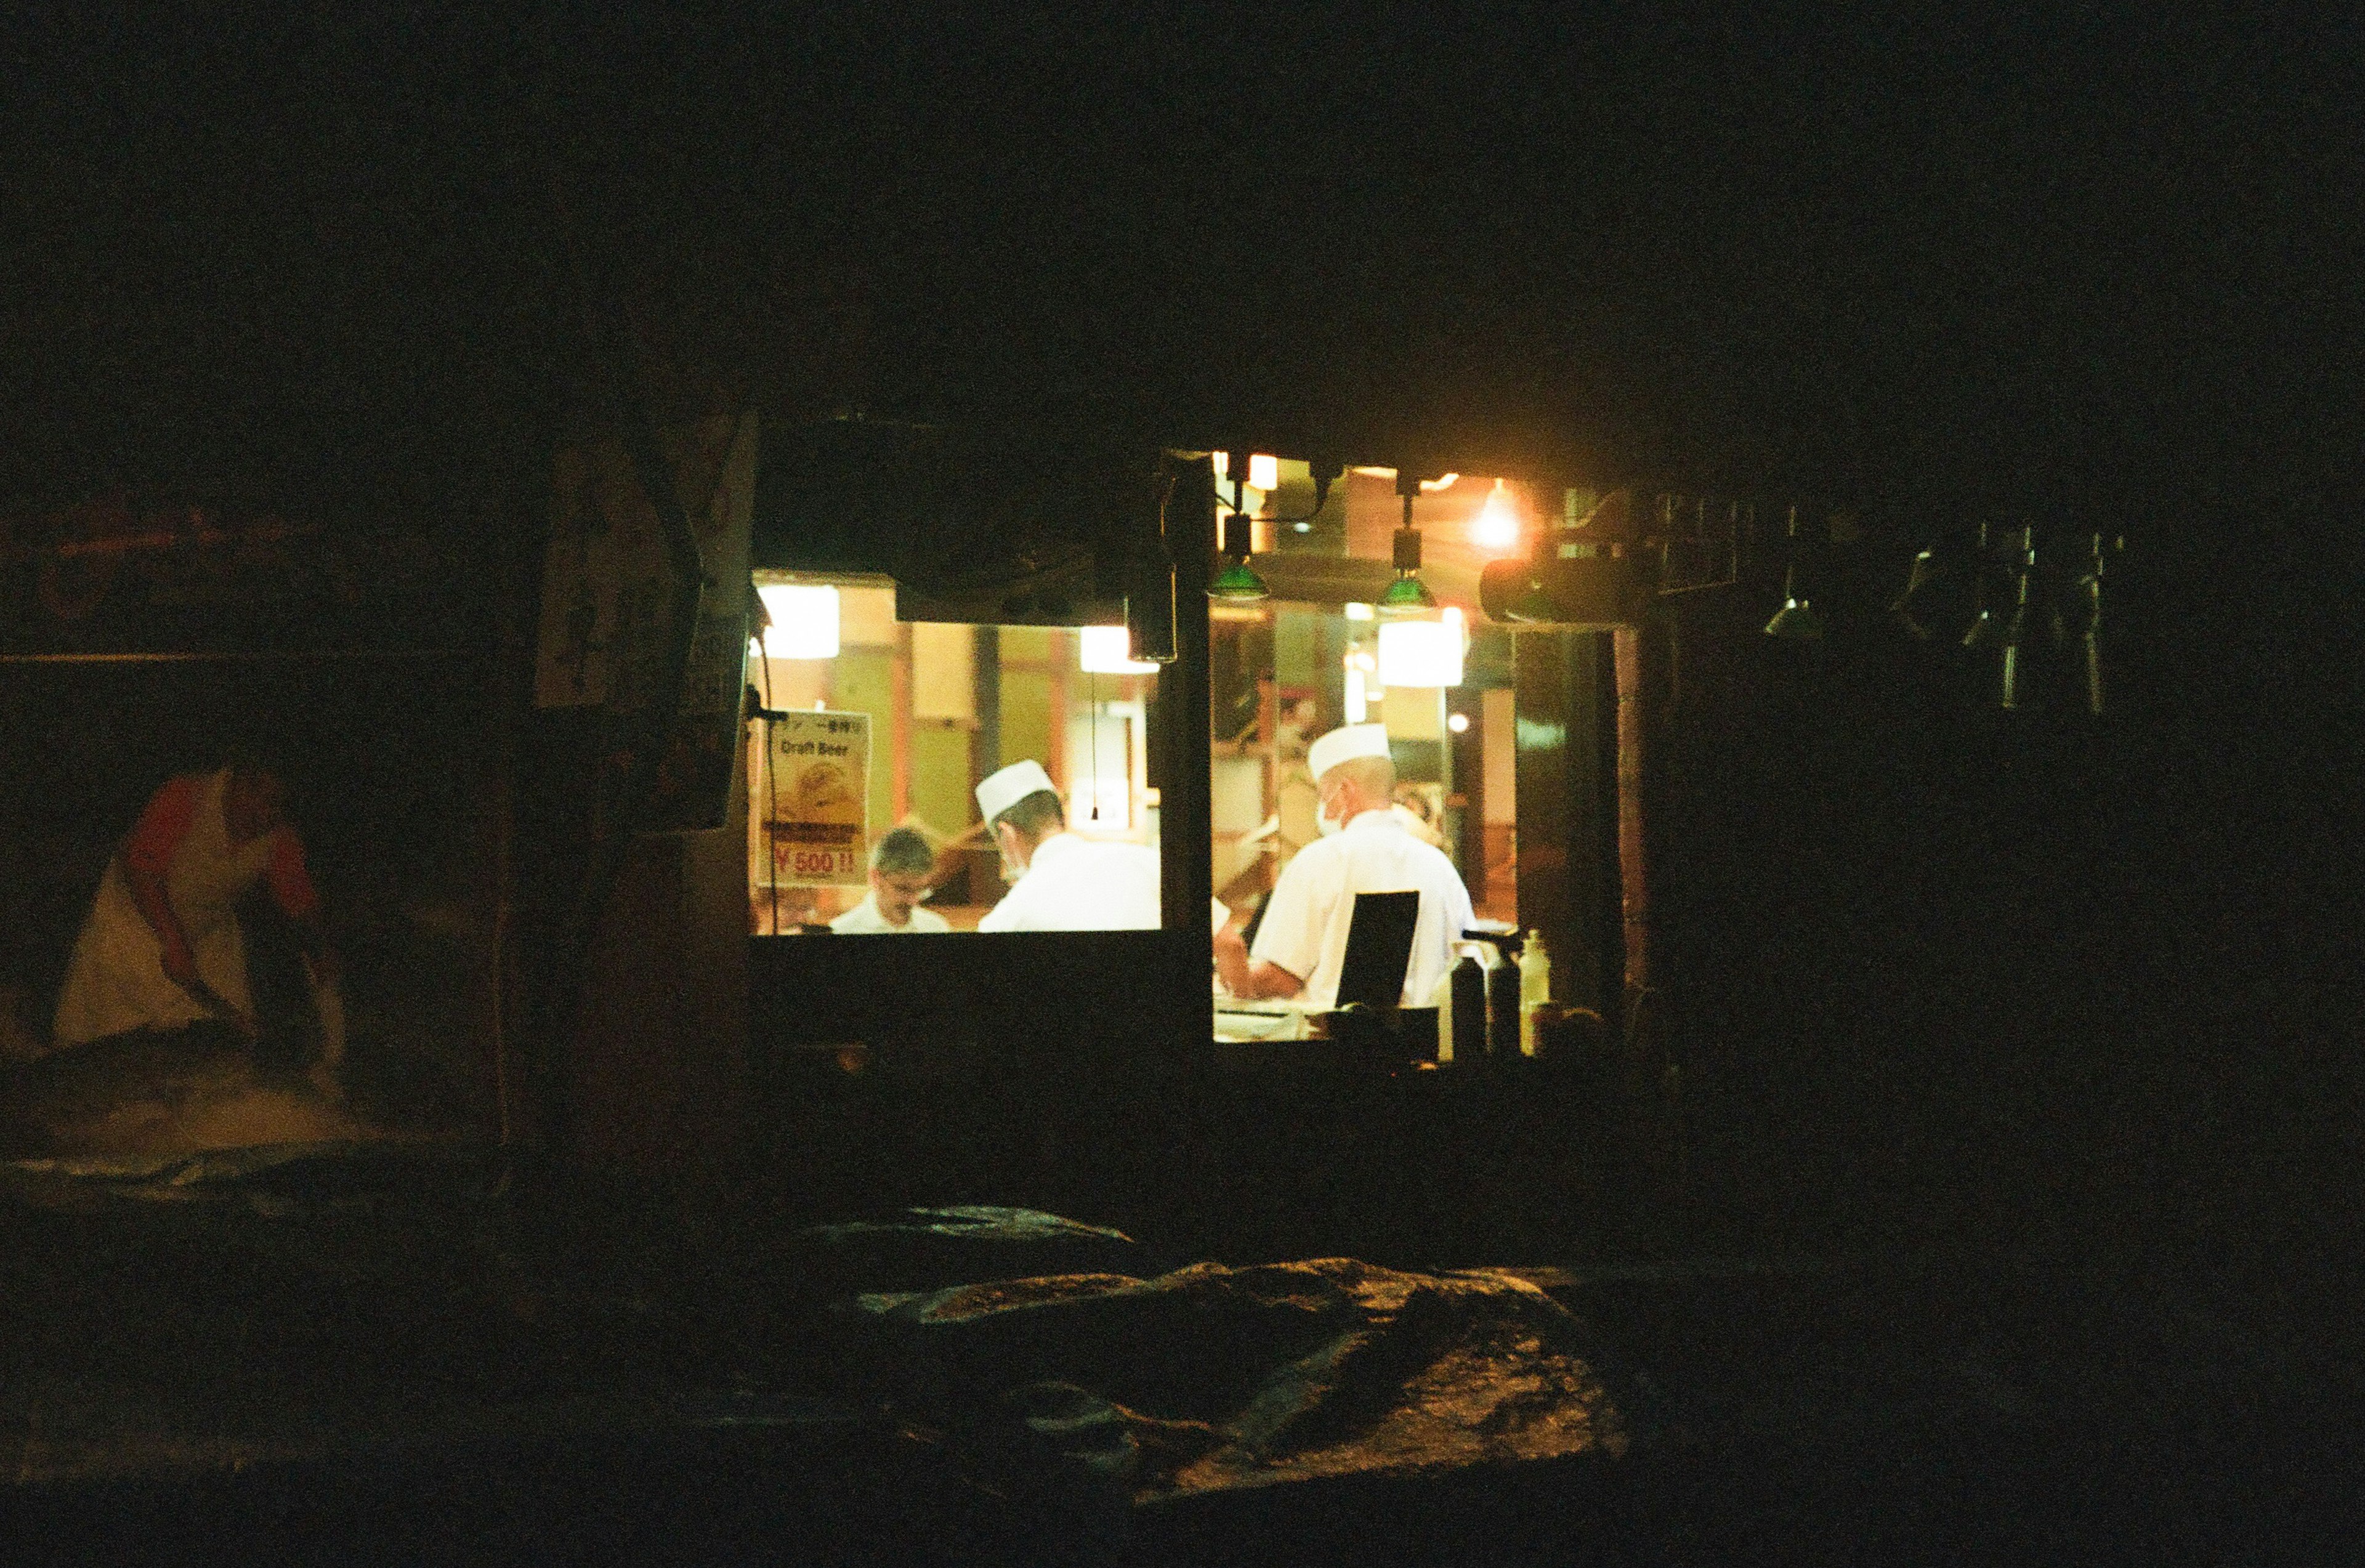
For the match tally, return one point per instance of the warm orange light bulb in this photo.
(1496, 526)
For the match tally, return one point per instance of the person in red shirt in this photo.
(163, 949)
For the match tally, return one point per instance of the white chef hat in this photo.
(1344, 745)
(1002, 791)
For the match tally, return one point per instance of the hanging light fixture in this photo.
(1532, 602)
(2036, 621)
(1422, 653)
(1496, 526)
(1796, 622)
(1408, 595)
(1239, 583)
(2089, 634)
(1108, 650)
(1930, 568)
(2012, 690)
(1987, 628)
(804, 621)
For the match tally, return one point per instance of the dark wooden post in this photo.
(1469, 752)
(1183, 728)
(985, 687)
(1566, 704)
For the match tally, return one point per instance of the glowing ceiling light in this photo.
(1421, 653)
(1223, 462)
(1496, 526)
(1442, 482)
(1359, 612)
(804, 621)
(1457, 722)
(1108, 650)
(1264, 471)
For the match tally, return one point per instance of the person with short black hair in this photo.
(901, 865)
(1060, 881)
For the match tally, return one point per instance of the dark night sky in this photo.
(2099, 267)
(1964, 258)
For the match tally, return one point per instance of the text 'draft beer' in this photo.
(820, 790)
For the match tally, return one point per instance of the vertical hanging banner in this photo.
(703, 748)
(820, 773)
(607, 589)
(602, 536)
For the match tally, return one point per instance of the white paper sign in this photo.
(821, 781)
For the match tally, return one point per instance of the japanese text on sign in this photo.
(819, 791)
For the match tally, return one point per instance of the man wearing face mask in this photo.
(1060, 881)
(1364, 848)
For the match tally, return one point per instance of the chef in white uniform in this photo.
(1364, 848)
(1060, 881)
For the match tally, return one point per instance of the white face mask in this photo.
(1323, 822)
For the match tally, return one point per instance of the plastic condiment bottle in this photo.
(1441, 997)
(1535, 989)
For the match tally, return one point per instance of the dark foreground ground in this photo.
(383, 1358)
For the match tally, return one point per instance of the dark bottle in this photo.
(1503, 1011)
(1469, 1010)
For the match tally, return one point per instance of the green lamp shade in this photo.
(1405, 596)
(1238, 582)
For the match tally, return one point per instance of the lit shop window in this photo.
(1346, 626)
(863, 801)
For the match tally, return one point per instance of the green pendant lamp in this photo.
(1408, 595)
(1238, 583)
(1987, 627)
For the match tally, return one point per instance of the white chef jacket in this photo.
(1313, 905)
(864, 920)
(1082, 884)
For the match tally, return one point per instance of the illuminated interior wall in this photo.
(1027, 727)
(1502, 757)
(921, 685)
(862, 682)
(944, 709)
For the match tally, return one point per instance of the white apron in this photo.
(116, 980)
